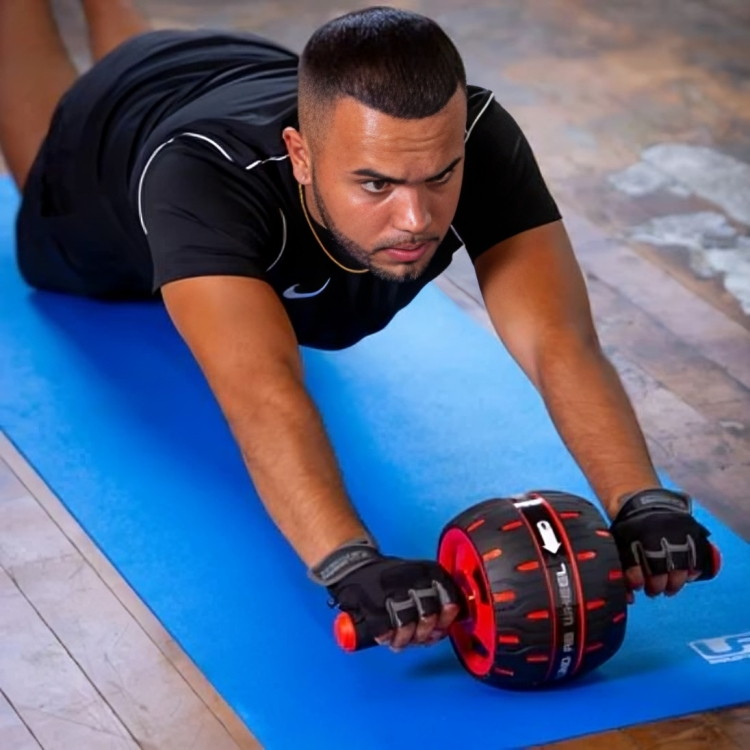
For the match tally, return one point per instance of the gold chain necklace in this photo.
(315, 234)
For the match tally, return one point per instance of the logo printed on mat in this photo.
(723, 649)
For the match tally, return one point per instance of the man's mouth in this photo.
(408, 253)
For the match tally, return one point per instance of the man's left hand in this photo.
(662, 547)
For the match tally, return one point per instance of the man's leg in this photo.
(111, 22)
(35, 71)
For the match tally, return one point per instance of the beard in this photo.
(347, 250)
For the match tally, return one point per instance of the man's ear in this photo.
(299, 154)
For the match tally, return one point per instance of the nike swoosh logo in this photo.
(292, 292)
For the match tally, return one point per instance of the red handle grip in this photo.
(713, 567)
(350, 635)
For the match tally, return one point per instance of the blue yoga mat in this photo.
(427, 417)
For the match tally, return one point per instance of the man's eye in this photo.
(375, 186)
(442, 180)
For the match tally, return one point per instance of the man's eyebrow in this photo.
(373, 175)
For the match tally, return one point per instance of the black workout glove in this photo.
(655, 529)
(384, 593)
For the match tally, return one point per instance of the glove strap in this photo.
(653, 498)
(343, 560)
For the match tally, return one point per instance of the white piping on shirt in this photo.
(222, 152)
(212, 142)
(457, 235)
(476, 119)
(283, 241)
(263, 161)
(140, 182)
(466, 138)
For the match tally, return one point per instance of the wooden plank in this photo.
(681, 367)
(14, 734)
(686, 439)
(610, 740)
(697, 732)
(58, 546)
(10, 485)
(712, 290)
(735, 723)
(690, 318)
(136, 678)
(47, 688)
(133, 676)
(676, 425)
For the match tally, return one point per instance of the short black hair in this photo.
(395, 61)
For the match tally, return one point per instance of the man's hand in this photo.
(402, 602)
(661, 545)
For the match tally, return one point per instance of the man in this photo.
(273, 202)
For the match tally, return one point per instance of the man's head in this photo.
(382, 114)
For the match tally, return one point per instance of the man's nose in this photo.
(412, 212)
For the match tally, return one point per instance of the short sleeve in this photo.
(204, 215)
(503, 192)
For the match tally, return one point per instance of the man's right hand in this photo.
(401, 602)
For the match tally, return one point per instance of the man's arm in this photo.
(537, 300)
(239, 333)
(241, 337)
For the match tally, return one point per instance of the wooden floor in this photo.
(84, 665)
(605, 99)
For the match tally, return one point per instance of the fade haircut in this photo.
(395, 61)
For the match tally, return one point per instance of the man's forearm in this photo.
(595, 418)
(293, 467)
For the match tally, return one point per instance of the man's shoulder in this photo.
(503, 191)
(478, 101)
(487, 120)
(227, 155)
(237, 141)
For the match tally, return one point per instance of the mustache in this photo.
(406, 240)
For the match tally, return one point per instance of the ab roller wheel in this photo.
(543, 588)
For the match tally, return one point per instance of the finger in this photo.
(448, 614)
(634, 578)
(436, 636)
(425, 626)
(385, 639)
(630, 597)
(655, 585)
(403, 636)
(402, 611)
(676, 580)
(427, 603)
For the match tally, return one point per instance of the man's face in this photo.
(386, 188)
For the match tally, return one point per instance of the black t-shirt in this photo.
(213, 193)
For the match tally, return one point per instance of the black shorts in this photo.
(77, 229)
(67, 244)
(69, 236)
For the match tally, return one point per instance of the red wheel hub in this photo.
(474, 635)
